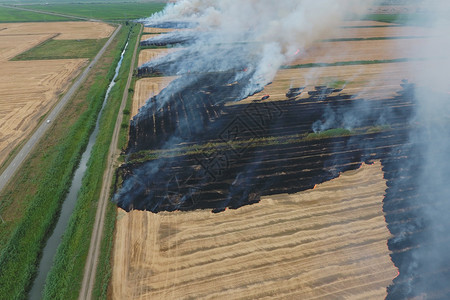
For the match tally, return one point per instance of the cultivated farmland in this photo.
(147, 88)
(150, 54)
(314, 244)
(29, 89)
(262, 250)
(65, 30)
(157, 30)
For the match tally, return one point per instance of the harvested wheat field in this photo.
(11, 45)
(66, 30)
(326, 243)
(373, 32)
(398, 43)
(28, 89)
(372, 81)
(146, 88)
(150, 54)
(24, 101)
(158, 30)
(332, 52)
(147, 36)
(364, 23)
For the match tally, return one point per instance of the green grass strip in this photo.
(103, 11)
(20, 256)
(11, 15)
(65, 277)
(372, 26)
(383, 38)
(412, 19)
(351, 63)
(104, 268)
(210, 148)
(63, 49)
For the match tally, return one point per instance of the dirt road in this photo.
(94, 249)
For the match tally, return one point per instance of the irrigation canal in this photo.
(69, 203)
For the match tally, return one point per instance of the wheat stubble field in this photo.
(326, 243)
(28, 89)
(146, 88)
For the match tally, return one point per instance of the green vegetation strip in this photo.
(33, 199)
(64, 279)
(63, 49)
(103, 11)
(210, 148)
(10, 15)
(351, 63)
(371, 26)
(383, 38)
(413, 19)
(104, 268)
(124, 128)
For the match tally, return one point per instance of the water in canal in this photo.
(69, 203)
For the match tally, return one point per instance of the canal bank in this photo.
(70, 202)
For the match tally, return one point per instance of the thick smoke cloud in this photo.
(235, 49)
(426, 271)
(255, 36)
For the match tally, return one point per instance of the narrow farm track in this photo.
(325, 243)
(94, 249)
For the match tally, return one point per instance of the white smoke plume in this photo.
(256, 35)
(425, 274)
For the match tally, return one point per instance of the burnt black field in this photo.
(248, 151)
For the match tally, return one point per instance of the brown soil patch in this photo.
(67, 30)
(326, 243)
(146, 88)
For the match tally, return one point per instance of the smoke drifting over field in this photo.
(233, 49)
(425, 270)
(255, 37)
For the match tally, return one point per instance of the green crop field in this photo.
(106, 11)
(15, 15)
(62, 49)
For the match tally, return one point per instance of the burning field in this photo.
(265, 165)
(28, 89)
